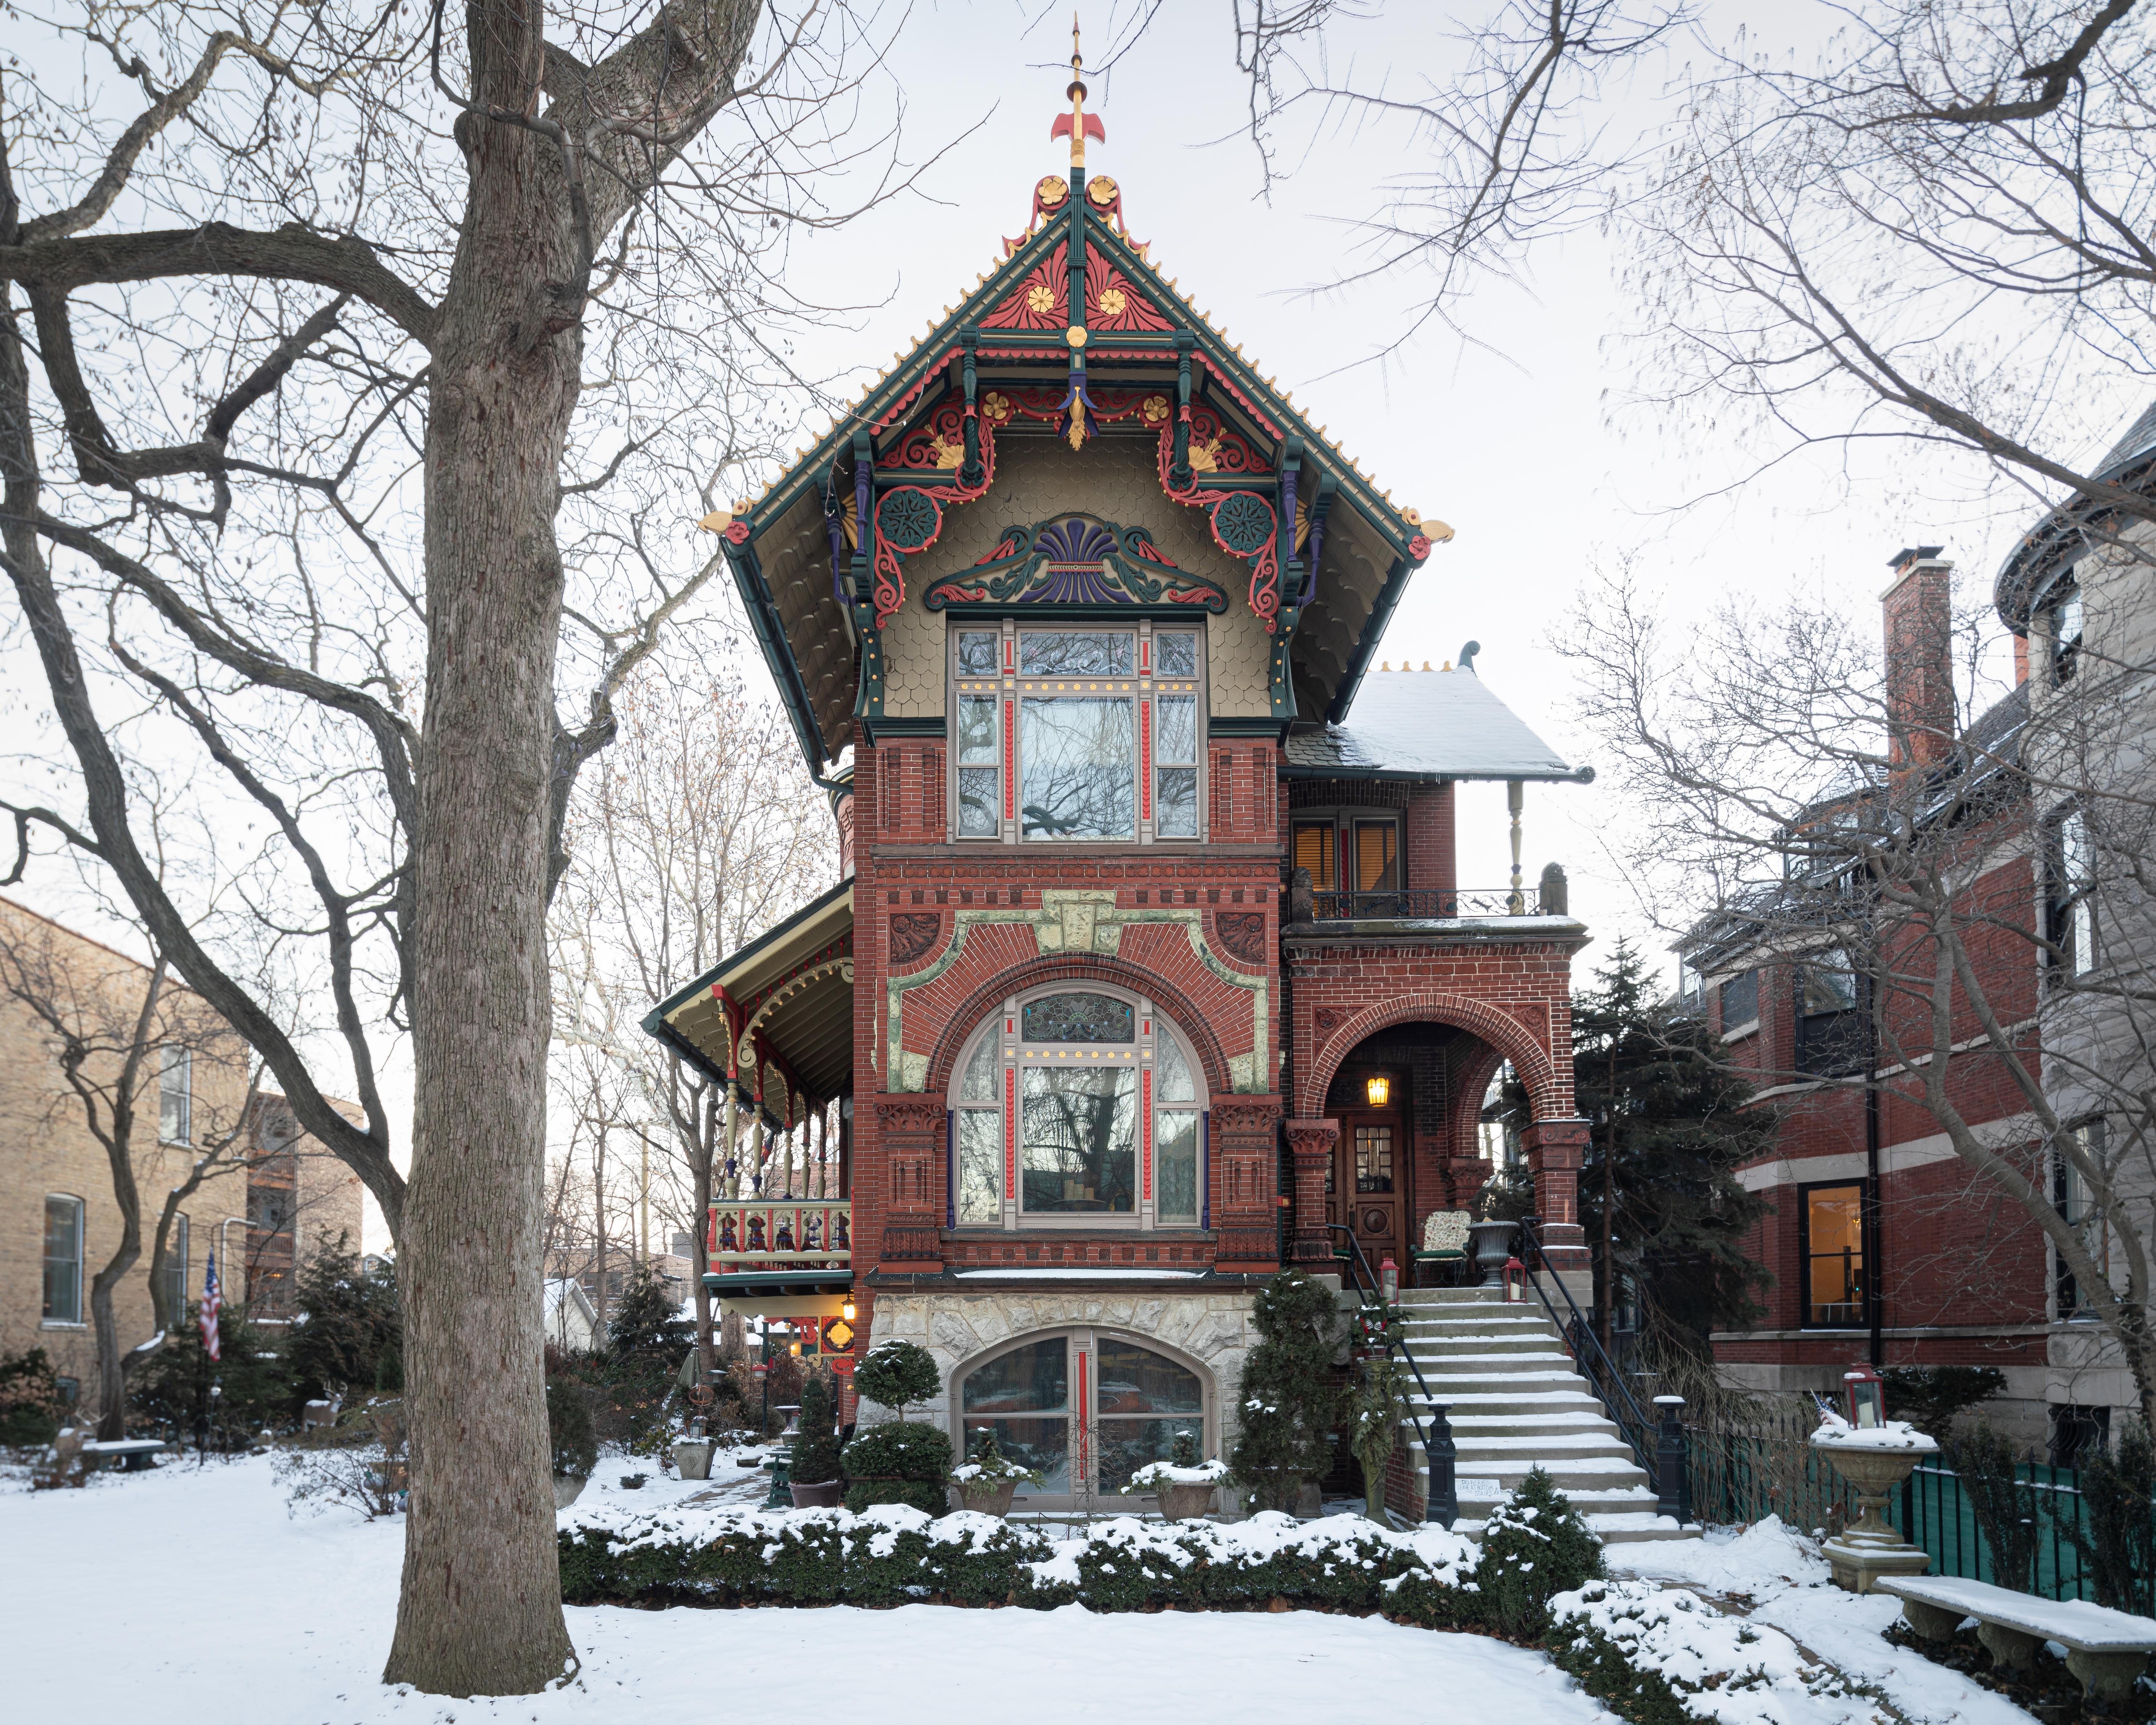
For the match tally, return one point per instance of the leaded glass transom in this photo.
(1081, 1018)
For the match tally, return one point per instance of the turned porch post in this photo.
(1312, 1141)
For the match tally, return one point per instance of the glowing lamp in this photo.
(1378, 1089)
(846, 1312)
(795, 1350)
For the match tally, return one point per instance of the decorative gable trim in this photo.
(1076, 560)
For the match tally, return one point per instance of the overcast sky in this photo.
(1515, 429)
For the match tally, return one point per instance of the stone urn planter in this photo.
(1184, 1503)
(1493, 1245)
(991, 1497)
(568, 1488)
(1873, 1463)
(824, 1494)
(692, 1457)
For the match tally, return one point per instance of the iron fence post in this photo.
(1672, 1473)
(1444, 1505)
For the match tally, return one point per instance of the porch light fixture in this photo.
(1378, 1089)
(846, 1312)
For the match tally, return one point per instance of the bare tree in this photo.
(697, 831)
(337, 380)
(119, 1034)
(1932, 875)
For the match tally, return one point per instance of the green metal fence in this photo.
(1934, 1512)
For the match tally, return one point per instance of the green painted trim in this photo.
(1246, 725)
(1084, 920)
(935, 727)
(688, 991)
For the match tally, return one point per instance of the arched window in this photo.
(1078, 1103)
(1085, 1409)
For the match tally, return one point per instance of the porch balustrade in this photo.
(757, 1234)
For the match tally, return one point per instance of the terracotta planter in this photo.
(824, 1494)
(1184, 1503)
(988, 1498)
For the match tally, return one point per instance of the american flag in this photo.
(211, 1300)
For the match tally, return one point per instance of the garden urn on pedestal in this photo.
(1874, 1462)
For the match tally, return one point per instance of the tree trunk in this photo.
(480, 1609)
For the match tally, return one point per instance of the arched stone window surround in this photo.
(1088, 1339)
(1156, 1112)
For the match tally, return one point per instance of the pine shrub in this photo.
(569, 1428)
(1535, 1546)
(816, 1451)
(347, 1318)
(1931, 1397)
(30, 1405)
(1286, 1395)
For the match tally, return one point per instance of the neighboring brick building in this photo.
(1884, 1244)
(60, 1223)
(301, 1199)
(1096, 615)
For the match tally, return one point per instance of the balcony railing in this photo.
(1428, 904)
(781, 1235)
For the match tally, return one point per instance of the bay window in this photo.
(1076, 733)
(1077, 1104)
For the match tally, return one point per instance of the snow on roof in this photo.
(1426, 724)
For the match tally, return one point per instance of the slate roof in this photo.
(1422, 725)
(2065, 532)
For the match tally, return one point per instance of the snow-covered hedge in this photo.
(1663, 1658)
(892, 1552)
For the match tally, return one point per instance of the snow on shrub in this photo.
(1535, 1546)
(892, 1552)
(1667, 1658)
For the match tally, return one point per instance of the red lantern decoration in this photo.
(1867, 1398)
(1516, 1282)
(1389, 1279)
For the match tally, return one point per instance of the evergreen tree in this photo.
(1287, 1397)
(647, 1318)
(347, 1319)
(1664, 1215)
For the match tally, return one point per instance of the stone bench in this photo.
(2106, 1649)
(133, 1454)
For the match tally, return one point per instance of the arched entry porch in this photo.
(1388, 1128)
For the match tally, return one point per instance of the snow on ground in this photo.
(192, 1586)
(1784, 1580)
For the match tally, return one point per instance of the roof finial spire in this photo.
(1077, 123)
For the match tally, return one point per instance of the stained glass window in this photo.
(1076, 653)
(976, 652)
(1175, 656)
(1079, 1018)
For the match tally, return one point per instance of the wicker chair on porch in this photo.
(1444, 1243)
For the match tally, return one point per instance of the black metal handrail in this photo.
(1441, 1506)
(1596, 1366)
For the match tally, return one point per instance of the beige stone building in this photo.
(268, 1193)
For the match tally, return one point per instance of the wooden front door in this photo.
(1367, 1190)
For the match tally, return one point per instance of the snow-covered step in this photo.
(1612, 1528)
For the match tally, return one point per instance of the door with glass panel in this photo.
(1084, 1408)
(1369, 1181)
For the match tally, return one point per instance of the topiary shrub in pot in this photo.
(1184, 1483)
(814, 1473)
(987, 1478)
(900, 1461)
(897, 1375)
(576, 1448)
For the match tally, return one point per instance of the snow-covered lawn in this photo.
(1785, 1581)
(189, 1594)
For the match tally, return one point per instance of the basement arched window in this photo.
(1078, 1107)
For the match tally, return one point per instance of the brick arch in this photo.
(1086, 968)
(1506, 1033)
(1474, 1077)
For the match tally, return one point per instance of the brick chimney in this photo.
(1919, 618)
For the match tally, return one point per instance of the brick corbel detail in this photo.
(912, 1128)
(1312, 1141)
(1245, 1145)
(1555, 1149)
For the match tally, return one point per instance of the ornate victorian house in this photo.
(1067, 1066)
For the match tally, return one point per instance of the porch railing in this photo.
(759, 1234)
(1441, 1503)
(1428, 904)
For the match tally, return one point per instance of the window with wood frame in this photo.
(1313, 850)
